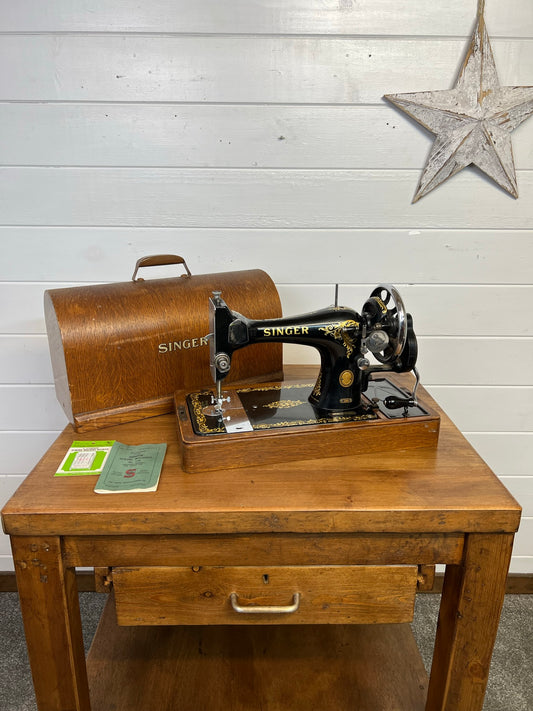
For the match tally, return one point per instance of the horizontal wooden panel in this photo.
(523, 538)
(201, 504)
(5, 546)
(300, 298)
(321, 256)
(8, 486)
(447, 361)
(456, 361)
(471, 361)
(521, 487)
(473, 409)
(237, 69)
(6, 562)
(24, 313)
(325, 594)
(437, 310)
(214, 136)
(507, 454)
(222, 136)
(273, 549)
(22, 450)
(285, 667)
(30, 408)
(417, 17)
(521, 565)
(459, 311)
(486, 409)
(25, 359)
(255, 198)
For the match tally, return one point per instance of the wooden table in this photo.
(346, 533)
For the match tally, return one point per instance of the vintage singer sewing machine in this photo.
(345, 411)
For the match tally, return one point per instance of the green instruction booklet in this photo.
(131, 468)
(85, 458)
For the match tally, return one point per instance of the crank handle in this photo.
(395, 403)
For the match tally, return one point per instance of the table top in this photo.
(442, 490)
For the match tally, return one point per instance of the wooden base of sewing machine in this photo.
(331, 667)
(290, 430)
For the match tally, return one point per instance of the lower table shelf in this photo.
(248, 668)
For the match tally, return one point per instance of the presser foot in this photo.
(224, 412)
(215, 408)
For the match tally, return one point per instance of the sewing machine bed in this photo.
(274, 422)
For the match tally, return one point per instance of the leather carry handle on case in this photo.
(159, 260)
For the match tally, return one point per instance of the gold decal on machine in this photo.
(346, 378)
(381, 305)
(285, 331)
(339, 332)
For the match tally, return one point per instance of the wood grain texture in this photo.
(24, 359)
(221, 667)
(435, 307)
(466, 636)
(22, 450)
(517, 583)
(200, 453)
(36, 408)
(74, 56)
(344, 494)
(327, 594)
(265, 549)
(120, 351)
(300, 550)
(420, 504)
(50, 610)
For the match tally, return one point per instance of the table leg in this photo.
(472, 599)
(51, 615)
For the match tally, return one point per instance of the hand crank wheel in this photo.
(394, 322)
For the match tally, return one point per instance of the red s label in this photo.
(129, 473)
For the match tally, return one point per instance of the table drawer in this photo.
(264, 595)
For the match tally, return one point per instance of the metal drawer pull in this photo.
(262, 609)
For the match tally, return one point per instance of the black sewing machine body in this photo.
(342, 336)
(346, 412)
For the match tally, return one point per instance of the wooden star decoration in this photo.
(473, 121)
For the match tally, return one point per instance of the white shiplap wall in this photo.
(253, 134)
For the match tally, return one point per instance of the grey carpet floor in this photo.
(510, 685)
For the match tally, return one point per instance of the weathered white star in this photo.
(472, 122)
